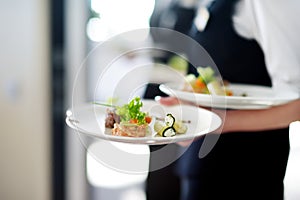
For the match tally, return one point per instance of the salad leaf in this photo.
(132, 111)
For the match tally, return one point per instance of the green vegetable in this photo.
(167, 131)
(159, 126)
(170, 126)
(180, 127)
(169, 120)
(112, 100)
(178, 63)
(131, 111)
(207, 73)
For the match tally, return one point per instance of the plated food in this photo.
(206, 83)
(257, 97)
(170, 127)
(88, 119)
(128, 120)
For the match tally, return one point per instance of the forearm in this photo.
(256, 120)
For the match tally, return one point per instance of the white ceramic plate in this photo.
(89, 120)
(257, 97)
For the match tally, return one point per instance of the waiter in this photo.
(243, 164)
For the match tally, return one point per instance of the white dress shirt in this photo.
(275, 26)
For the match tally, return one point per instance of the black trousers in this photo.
(240, 166)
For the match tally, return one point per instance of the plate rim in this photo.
(217, 122)
(229, 101)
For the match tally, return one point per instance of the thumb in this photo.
(168, 101)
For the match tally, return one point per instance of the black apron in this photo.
(241, 165)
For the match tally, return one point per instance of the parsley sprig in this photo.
(131, 111)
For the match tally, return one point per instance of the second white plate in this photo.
(257, 97)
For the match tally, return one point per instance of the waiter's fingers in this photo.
(168, 101)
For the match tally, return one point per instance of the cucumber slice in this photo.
(169, 120)
(180, 127)
(158, 126)
(168, 132)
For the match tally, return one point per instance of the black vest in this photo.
(259, 158)
(238, 60)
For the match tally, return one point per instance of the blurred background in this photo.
(43, 44)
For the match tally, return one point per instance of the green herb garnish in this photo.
(131, 111)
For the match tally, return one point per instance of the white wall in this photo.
(25, 136)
